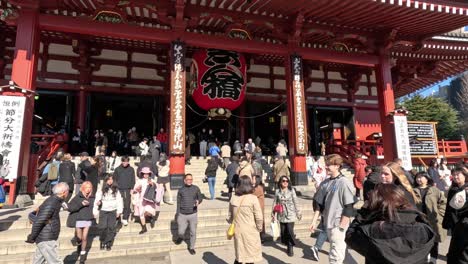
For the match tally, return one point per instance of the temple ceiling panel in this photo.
(418, 34)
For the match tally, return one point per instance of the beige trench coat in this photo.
(248, 224)
(281, 168)
(435, 203)
(245, 169)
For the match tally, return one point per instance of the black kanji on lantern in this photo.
(225, 57)
(224, 78)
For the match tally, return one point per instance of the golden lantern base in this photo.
(219, 114)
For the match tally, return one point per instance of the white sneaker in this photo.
(124, 222)
(315, 253)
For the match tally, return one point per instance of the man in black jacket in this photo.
(46, 227)
(124, 176)
(80, 173)
(188, 199)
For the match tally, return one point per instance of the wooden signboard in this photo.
(423, 139)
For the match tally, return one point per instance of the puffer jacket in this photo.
(288, 199)
(407, 240)
(47, 224)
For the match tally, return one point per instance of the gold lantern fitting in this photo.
(219, 113)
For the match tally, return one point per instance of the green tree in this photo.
(433, 109)
(461, 102)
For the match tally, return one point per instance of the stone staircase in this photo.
(212, 226)
(211, 232)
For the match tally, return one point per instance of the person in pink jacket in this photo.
(147, 197)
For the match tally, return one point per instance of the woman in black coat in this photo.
(232, 177)
(67, 174)
(81, 216)
(92, 173)
(456, 219)
(390, 230)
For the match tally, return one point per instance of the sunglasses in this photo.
(284, 181)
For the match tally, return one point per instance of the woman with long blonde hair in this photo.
(392, 173)
(81, 216)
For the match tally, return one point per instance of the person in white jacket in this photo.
(113, 162)
(144, 148)
(108, 207)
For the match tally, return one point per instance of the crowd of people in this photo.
(404, 216)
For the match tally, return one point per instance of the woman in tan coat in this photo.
(281, 168)
(245, 212)
(245, 168)
(432, 204)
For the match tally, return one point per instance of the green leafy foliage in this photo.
(433, 109)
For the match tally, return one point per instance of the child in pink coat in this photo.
(145, 203)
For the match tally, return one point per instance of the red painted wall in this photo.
(367, 122)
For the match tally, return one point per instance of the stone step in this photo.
(128, 235)
(134, 249)
(165, 218)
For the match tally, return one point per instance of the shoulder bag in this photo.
(230, 231)
(278, 208)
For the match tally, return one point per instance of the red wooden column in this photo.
(177, 115)
(297, 124)
(242, 112)
(81, 110)
(386, 100)
(24, 75)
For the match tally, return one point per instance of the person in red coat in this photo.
(359, 173)
(162, 137)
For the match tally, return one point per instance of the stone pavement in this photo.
(274, 253)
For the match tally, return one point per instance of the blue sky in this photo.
(434, 89)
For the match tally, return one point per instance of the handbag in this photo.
(150, 193)
(458, 200)
(274, 229)
(231, 229)
(279, 209)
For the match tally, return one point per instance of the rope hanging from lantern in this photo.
(260, 115)
(196, 111)
(197, 125)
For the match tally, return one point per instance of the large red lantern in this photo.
(218, 80)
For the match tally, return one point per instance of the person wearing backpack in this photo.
(67, 173)
(52, 172)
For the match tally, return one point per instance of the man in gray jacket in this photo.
(188, 199)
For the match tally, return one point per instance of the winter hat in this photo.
(145, 170)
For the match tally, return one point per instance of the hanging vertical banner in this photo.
(11, 128)
(177, 133)
(402, 141)
(299, 105)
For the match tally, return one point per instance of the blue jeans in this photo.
(211, 185)
(321, 238)
(322, 235)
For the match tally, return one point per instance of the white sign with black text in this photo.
(402, 141)
(11, 130)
